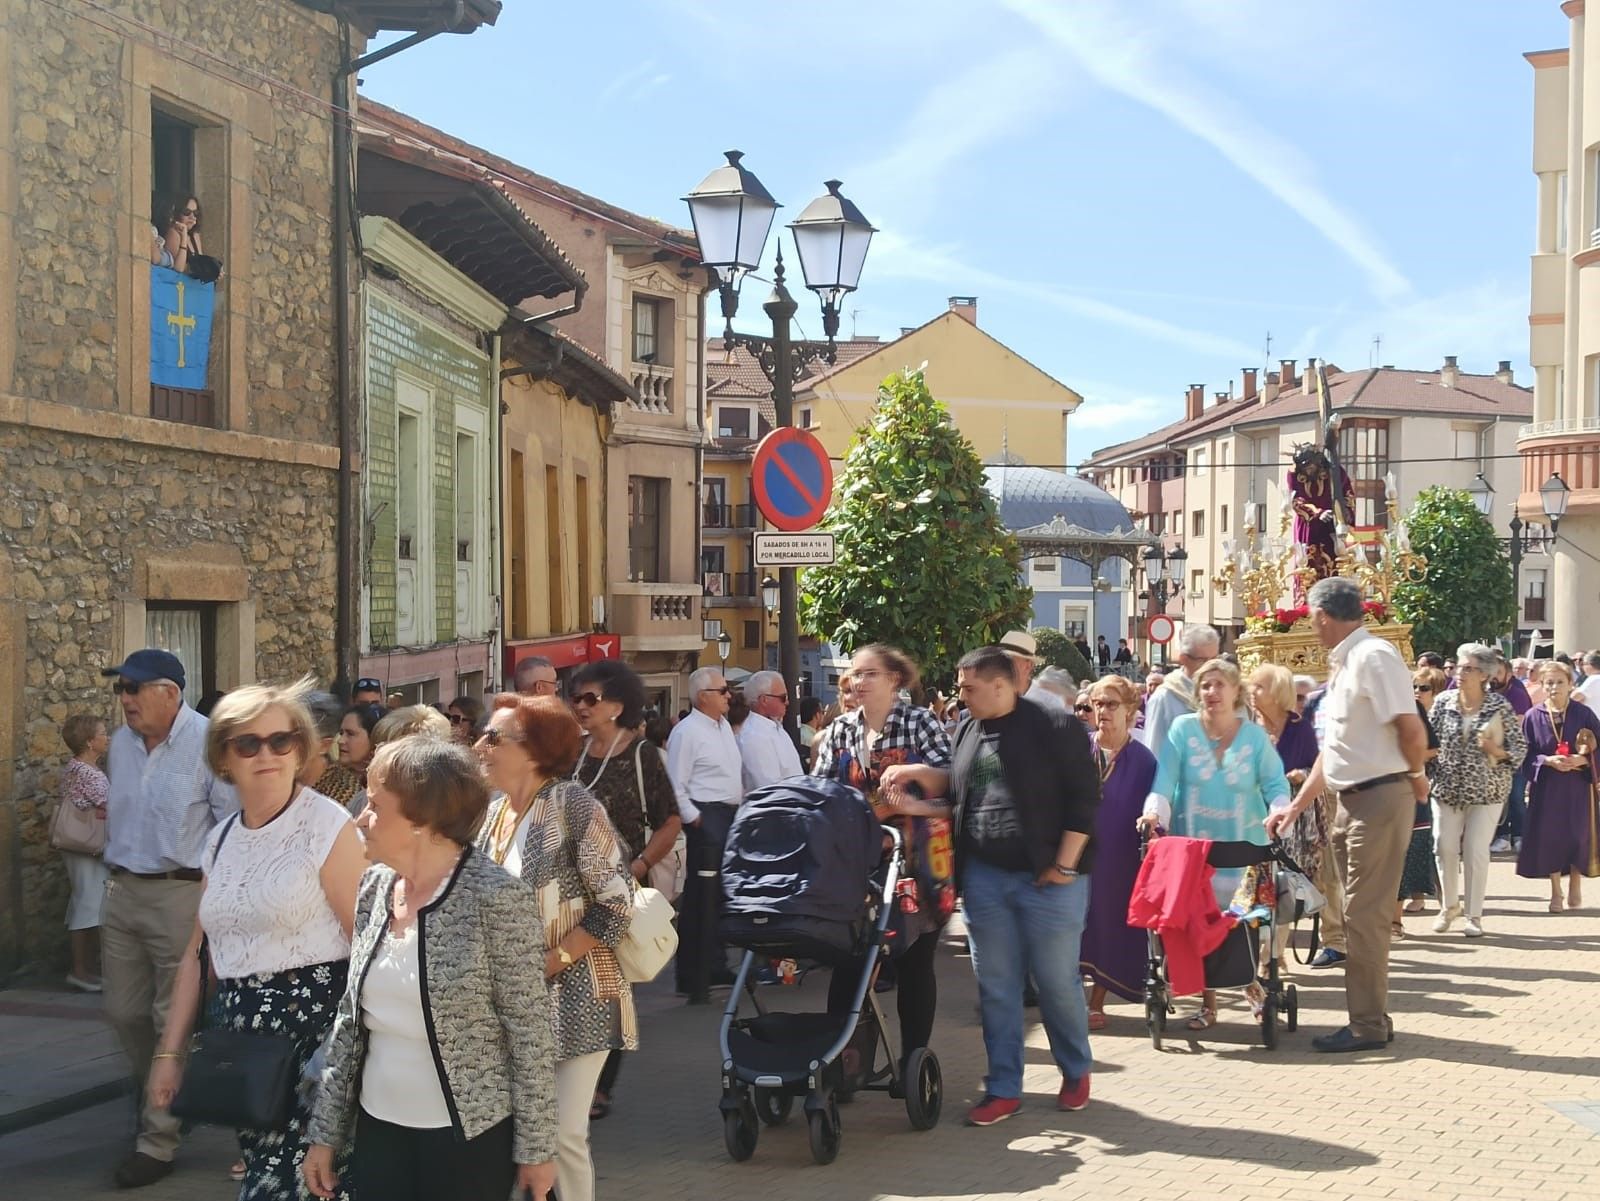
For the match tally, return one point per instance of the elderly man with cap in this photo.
(163, 801)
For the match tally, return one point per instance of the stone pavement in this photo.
(56, 1055)
(1491, 1090)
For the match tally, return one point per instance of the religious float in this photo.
(1263, 569)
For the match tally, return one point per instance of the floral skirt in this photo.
(299, 1003)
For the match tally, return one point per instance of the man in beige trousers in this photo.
(1372, 761)
(163, 802)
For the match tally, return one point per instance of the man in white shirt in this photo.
(1373, 748)
(707, 774)
(1589, 686)
(1197, 646)
(767, 751)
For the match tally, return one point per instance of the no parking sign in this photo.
(792, 479)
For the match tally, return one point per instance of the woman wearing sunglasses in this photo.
(276, 907)
(629, 776)
(465, 715)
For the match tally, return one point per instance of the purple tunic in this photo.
(1297, 745)
(1558, 833)
(1113, 953)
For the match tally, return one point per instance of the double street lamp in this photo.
(1553, 497)
(732, 213)
(1162, 583)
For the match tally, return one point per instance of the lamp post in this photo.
(724, 648)
(771, 593)
(732, 214)
(1553, 496)
(1162, 583)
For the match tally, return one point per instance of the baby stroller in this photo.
(805, 877)
(1234, 964)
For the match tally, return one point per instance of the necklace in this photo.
(601, 770)
(505, 830)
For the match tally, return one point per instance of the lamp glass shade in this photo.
(732, 214)
(1155, 565)
(1178, 558)
(1553, 494)
(769, 593)
(1482, 493)
(832, 238)
(724, 645)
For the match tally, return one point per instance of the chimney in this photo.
(1286, 376)
(1249, 384)
(1195, 402)
(965, 307)
(1270, 392)
(1449, 374)
(1503, 372)
(1309, 380)
(1223, 397)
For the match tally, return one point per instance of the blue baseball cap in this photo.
(149, 664)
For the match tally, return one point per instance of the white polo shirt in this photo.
(1371, 687)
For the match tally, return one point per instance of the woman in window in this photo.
(180, 234)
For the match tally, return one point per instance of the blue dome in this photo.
(1030, 496)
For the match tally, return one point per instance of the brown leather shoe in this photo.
(140, 1169)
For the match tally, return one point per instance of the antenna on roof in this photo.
(854, 313)
(1268, 353)
(1377, 350)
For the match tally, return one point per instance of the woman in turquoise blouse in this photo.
(1217, 777)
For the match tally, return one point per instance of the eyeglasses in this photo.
(248, 746)
(588, 699)
(456, 718)
(723, 691)
(495, 737)
(129, 687)
(1421, 688)
(190, 213)
(543, 687)
(777, 696)
(870, 673)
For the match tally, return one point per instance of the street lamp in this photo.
(1162, 583)
(1553, 496)
(1482, 493)
(732, 213)
(769, 594)
(724, 647)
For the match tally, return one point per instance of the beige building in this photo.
(1564, 322)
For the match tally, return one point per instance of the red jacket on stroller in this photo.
(1172, 895)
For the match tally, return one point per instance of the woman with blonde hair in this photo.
(413, 719)
(1113, 952)
(276, 907)
(1217, 777)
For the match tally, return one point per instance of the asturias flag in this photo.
(180, 329)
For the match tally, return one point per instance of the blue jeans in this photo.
(1516, 810)
(1016, 926)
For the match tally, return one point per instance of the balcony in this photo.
(186, 406)
(730, 587)
(1533, 610)
(657, 617)
(728, 517)
(654, 385)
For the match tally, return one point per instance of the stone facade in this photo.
(106, 513)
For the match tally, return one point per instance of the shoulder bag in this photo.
(80, 831)
(667, 874)
(651, 940)
(234, 1077)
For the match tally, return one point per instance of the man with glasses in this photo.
(767, 751)
(708, 776)
(535, 676)
(162, 803)
(367, 691)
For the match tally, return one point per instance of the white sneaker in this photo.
(1473, 927)
(1500, 846)
(1446, 916)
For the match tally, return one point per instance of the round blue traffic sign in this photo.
(791, 479)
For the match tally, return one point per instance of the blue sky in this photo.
(1137, 191)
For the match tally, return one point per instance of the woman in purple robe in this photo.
(1558, 835)
(1113, 952)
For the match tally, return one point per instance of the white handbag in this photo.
(651, 940)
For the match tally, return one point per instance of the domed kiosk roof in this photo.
(1033, 496)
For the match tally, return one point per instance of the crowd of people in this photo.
(426, 901)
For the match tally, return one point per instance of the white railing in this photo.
(1561, 425)
(654, 385)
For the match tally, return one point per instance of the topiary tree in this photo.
(923, 560)
(1467, 594)
(1056, 649)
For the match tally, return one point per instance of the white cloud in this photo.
(1123, 58)
(634, 83)
(1480, 323)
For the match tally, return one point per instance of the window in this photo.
(715, 516)
(1561, 213)
(1197, 523)
(580, 509)
(1533, 595)
(1074, 620)
(181, 396)
(470, 683)
(1222, 453)
(1469, 446)
(189, 631)
(804, 418)
(1197, 579)
(646, 505)
(1259, 516)
(1044, 573)
(733, 421)
(752, 635)
(1594, 182)
(1364, 455)
(408, 481)
(647, 313)
(518, 484)
(1200, 464)
(1222, 520)
(555, 577)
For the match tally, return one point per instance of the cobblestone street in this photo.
(1491, 1089)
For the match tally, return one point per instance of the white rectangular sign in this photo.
(794, 550)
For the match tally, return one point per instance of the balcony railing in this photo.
(657, 617)
(730, 584)
(654, 385)
(1561, 425)
(187, 406)
(728, 517)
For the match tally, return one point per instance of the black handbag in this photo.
(235, 1077)
(205, 268)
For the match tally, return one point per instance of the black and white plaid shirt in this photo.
(911, 734)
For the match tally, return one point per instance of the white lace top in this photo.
(264, 909)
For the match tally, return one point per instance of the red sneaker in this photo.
(991, 1110)
(1074, 1094)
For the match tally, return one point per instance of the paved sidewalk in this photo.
(1491, 1090)
(56, 1055)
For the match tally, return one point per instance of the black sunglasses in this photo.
(495, 737)
(587, 698)
(130, 687)
(248, 746)
(723, 691)
(777, 696)
(1083, 708)
(456, 719)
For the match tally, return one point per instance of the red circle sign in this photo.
(1160, 628)
(791, 479)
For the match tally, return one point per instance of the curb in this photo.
(60, 1107)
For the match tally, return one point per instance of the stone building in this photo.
(202, 517)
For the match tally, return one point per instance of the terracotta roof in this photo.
(734, 374)
(679, 241)
(551, 354)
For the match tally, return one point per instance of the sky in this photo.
(1139, 192)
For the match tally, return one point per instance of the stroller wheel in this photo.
(924, 1089)
(740, 1129)
(1291, 1010)
(1269, 1023)
(1155, 1021)
(826, 1133)
(773, 1106)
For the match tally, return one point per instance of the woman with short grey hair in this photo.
(1481, 742)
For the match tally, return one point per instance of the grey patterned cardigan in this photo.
(483, 1002)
